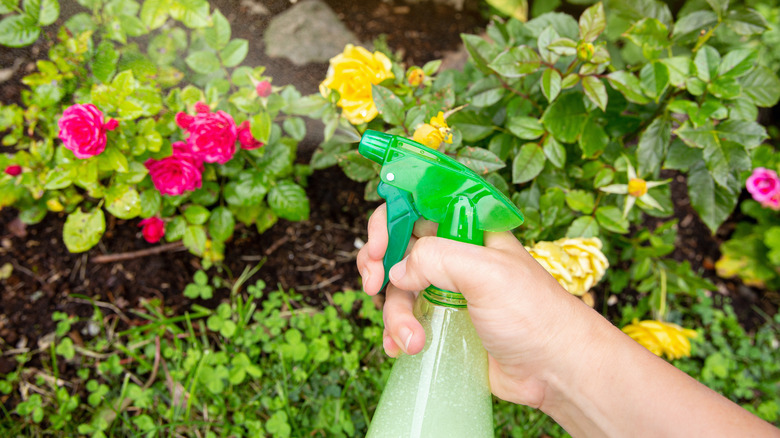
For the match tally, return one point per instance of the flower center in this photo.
(637, 187)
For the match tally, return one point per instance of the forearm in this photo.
(615, 387)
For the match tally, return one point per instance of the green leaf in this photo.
(516, 62)
(653, 143)
(611, 219)
(635, 10)
(583, 226)
(44, 12)
(527, 128)
(545, 38)
(195, 239)
(221, 224)
(563, 47)
(123, 201)
(203, 62)
(218, 34)
(261, 126)
(480, 50)
(473, 125)
(580, 200)
(746, 22)
(564, 24)
(104, 65)
(726, 88)
(388, 104)
(528, 163)
(694, 23)
(151, 202)
(593, 140)
(480, 160)
(18, 31)
(295, 127)
(761, 86)
(707, 63)
(551, 84)
(651, 35)
(288, 200)
(595, 91)
(234, 53)
(554, 151)
(628, 85)
(196, 214)
(737, 62)
(7, 6)
(247, 190)
(113, 159)
(713, 202)
(193, 13)
(719, 6)
(566, 117)
(154, 13)
(82, 230)
(654, 79)
(592, 22)
(679, 69)
(486, 91)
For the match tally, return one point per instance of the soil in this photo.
(316, 257)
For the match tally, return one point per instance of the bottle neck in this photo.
(460, 224)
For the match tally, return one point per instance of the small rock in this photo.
(254, 7)
(308, 32)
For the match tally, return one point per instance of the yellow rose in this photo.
(577, 263)
(434, 133)
(415, 76)
(662, 337)
(352, 73)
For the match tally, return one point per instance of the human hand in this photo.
(528, 323)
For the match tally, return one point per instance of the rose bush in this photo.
(176, 137)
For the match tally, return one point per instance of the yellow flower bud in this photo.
(585, 51)
(415, 76)
(576, 263)
(637, 187)
(428, 135)
(662, 337)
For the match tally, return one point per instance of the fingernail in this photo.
(399, 270)
(406, 335)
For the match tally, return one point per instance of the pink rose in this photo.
(178, 173)
(83, 130)
(13, 170)
(153, 229)
(763, 184)
(212, 136)
(263, 88)
(245, 137)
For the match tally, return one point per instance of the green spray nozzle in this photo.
(417, 181)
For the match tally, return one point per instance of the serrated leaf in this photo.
(737, 62)
(154, 13)
(195, 239)
(104, 65)
(193, 13)
(635, 10)
(746, 22)
(611, 219)
(580, 200)
(551, 84)
(247, 190)
(516, 62)
(651, 35)
(547, 36)
(480, 50)
(18, 31)
(123, 202)
(203, 62)
(388, 104)
(693, 23)
(527, 128)
(473, 126)
(761, 86)
(221, 224)
(554, 151)
(654, 79)
(565, 117)
(593, 140)
(480, 160)
(261, 126)
(288, 200)
(628, 85)
(218, 34)
(707, 62)
(713, 202)
(234, 53)
(592, 22)
(82, 230)
(595, 91)
(679, 69)
(528, 163)
(583, 226)
(44, 12)
(653, 143)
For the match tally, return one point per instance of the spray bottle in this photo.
(444, 390)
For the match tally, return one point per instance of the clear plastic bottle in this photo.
(442, 391)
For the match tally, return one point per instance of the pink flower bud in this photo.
(246, 138)
(83, 131)
(263, 88)
(763, 185)
(201, 107)
(13, 170)
(111, 124)
(153, 229)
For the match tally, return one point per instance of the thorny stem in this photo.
(521, 94)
